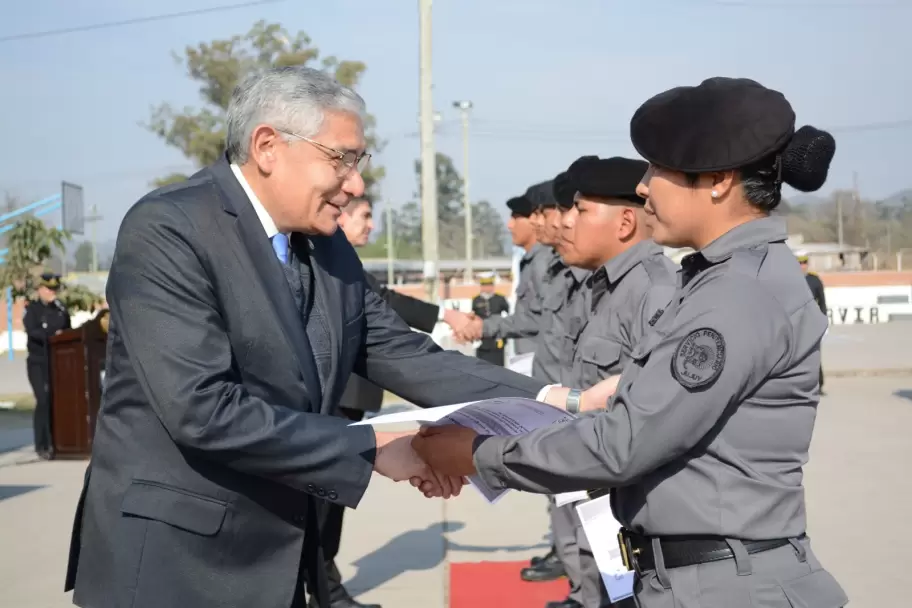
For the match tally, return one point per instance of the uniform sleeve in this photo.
(525, 321)
(726, 339)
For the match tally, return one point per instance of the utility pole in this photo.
(390, 252)
(91, 220)
(464, 107)
(429, 240)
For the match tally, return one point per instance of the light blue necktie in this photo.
(280, 246)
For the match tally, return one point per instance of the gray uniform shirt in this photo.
(628, 296)
(525, 322)
(711, 423)
(558, 290)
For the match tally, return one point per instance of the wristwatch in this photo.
(574, 400)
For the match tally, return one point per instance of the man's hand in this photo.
(397, 460)
(471, 331)
(457, 320)
(597, 397)
(447, 449)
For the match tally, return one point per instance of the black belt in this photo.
(681, 551)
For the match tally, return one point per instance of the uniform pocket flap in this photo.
(174, 506)
(816, 590)
(555, 300)
(600, 351)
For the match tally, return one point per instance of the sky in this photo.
(550, 81)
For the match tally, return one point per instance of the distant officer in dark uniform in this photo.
(44, 317)
(490, 304)
(817, 291)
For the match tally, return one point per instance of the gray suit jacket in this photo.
(213, 452)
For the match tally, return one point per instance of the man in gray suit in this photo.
(238, 313)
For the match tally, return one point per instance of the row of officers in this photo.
(717, 360)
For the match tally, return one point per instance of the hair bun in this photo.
(806, 159)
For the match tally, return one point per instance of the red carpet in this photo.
(497, 585)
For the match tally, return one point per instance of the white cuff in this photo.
(440, 311)
(544, 392)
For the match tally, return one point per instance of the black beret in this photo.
(563, 190)
(722, 124)
(520, 206)
(730, 123)
(542, 195)
(614, 177)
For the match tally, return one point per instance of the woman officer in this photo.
(704, 441)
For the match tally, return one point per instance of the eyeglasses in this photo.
(347, 160)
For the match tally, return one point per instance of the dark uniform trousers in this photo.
(39, 378)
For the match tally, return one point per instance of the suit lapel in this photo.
(269, 273)
(327, 287)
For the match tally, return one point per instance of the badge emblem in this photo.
(699, 358)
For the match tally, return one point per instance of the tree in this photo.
(79, 297)
(30, 244)
(83, 257)
(218, 66)
(489, 234)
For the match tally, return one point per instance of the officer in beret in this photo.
(487, 304)
(704, 441)
(630, 285)
(816, 286)
(44, 317)
(564, 309)
(524, 324)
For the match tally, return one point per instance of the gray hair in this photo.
(287, 98)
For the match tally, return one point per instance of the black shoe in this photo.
(567, 603)
(545, 571)
(550, 555)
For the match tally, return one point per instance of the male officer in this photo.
(631, 283)
(568, 309)
(535, 226)
(44, 317)
(817, 290)
(486, 304)
(525, 323)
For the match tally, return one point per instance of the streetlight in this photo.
(464, 107)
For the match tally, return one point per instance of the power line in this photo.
(134, 21)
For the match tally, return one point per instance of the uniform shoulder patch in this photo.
(699, 358)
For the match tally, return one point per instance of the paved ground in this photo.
(397, 545)
(13, 379)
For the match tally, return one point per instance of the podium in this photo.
(77, 358)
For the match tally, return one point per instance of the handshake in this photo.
(438, 459)
(466, 326)
(435, 460)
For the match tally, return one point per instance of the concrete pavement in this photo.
(397, 545)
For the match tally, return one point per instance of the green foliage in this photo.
(219, 65)
(79, 297)
(31, 242)
(488, 226)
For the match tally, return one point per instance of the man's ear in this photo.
(627, 223)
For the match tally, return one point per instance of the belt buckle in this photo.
(628, 553)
